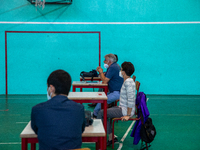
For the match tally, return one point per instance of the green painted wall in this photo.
(166, 55)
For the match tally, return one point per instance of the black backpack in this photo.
(148, 131)
(92, 74)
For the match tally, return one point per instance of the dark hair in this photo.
(61, 80)
(128, 68)
(116, 57)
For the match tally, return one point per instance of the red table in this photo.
(90, 78)
(84, 84)
(94, 133)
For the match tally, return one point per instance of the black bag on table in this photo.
(92, 74)
(88, 118)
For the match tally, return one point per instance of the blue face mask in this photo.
(48, 96)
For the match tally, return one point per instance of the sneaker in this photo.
(110, 142)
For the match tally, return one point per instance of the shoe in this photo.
(111, 105)
(110, 142)
(92, 105)
(94, 117)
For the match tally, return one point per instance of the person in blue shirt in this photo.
(100, 90)
(58, 122)
(112, 78)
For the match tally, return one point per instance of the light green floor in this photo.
(176, 118)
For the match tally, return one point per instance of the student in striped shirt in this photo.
(126, 107)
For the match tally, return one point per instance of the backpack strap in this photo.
(92, 77)
(82, 76)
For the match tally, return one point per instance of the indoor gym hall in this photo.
(161, 38)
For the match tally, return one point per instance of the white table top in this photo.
(94, 130)
(91, 77)
(87, 95)
(88, 83)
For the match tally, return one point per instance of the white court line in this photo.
(183, 22)
(125, 135)
(10, 143)
(21, 122)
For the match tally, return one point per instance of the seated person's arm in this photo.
(131, 100)
(125, 118)
(130, 90)
(102, 76)
(129, 110)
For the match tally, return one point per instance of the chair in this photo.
(137, 85)
(130, 119)
(118, 119)
(133, 77)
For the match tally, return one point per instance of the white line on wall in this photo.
(126, 23)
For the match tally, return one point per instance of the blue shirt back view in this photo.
(59, 123)
(115, 82)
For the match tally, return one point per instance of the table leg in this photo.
(24, 144)
(105, 122)
(97, 145)
(101, 143)
(74, 89)
(106, 90)
(33, 146)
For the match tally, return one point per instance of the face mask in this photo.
(106, 66)
(120, 74)
(48, 96)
